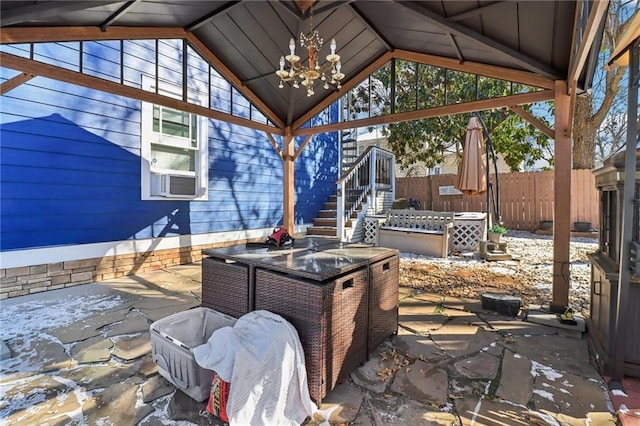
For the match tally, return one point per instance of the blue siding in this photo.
(70, 164)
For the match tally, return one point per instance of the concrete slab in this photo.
(420, 347)
(551, 320)
(130, 348)
(78, 331)
(33, 355)
(516, 381)
(135, 322)
(376, 374)
(182, 407)
(56, 400)
(569, 394)
(481, 366)
(557, 352)
(344, 401)
(474, 411)
(118, 403)
(91, 377)
(96, 349)
(156, 387)
(419, 316)
(422, 382)
(398, 410)
(459, 337)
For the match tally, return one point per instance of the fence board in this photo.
(525, 198)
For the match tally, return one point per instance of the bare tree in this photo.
(593, 107)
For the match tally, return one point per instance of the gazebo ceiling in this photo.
(249, 37)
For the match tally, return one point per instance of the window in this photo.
(174, 153)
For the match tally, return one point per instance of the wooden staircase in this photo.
(326, 224)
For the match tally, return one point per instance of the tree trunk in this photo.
(584, 134)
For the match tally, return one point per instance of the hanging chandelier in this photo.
(306, 74)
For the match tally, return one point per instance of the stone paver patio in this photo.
(82, 356)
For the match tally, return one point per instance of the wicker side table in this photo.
(383, 301)
(330, 317)
(226, 287)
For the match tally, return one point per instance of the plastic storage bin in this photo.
(172, 339)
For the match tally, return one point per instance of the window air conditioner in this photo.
(173, 185)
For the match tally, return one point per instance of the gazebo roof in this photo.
(248, 37)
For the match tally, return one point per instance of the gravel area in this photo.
(530, 277)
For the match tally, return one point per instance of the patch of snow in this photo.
(619, 392)
(548, 372)
(517, 356)
(546, 418)
(32, 316)
(544, 394)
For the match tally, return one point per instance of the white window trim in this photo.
(148, 136)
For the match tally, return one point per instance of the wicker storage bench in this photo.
(225, 287)
(331, 318)
(418, 231)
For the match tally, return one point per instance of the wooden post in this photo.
(288, 187)
(561, 198)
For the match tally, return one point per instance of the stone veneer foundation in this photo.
(31, 279)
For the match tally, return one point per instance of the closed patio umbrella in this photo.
(472, 175)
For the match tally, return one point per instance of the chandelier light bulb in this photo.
(281, 63)
(338, 67)
(333, 46)
(292, 46)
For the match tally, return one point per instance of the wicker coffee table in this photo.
(341, 298)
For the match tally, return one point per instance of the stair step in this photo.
(322, 230)
(326, 221)
(331, 222)
(327, 213)
(329, 205)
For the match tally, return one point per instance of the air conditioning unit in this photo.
(167, 185)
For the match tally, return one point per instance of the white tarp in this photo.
(261, 356)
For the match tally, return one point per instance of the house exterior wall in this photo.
(70, 178)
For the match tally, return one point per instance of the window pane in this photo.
(167, 157)
(175, 123)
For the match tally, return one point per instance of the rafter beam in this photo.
(371, 28)
(577, 61)
(301, 147)
(208, 17)
(229, 75)
(37, 11)
(505, 101)
(475, 12)
(61, 74)
(492, 71)
(533, 120)
(455, 47)
(119, 13)
(49, 34)
(14, 82)
(523, 60)
(274, 144)
(59, 34)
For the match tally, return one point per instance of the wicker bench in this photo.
(418, 231)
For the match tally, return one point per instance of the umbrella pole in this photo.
(496, 196)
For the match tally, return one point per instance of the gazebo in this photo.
(549, 45)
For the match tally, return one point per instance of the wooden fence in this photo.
(525, 198)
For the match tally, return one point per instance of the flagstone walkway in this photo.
(82, 356)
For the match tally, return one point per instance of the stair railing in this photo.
(371, 172)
